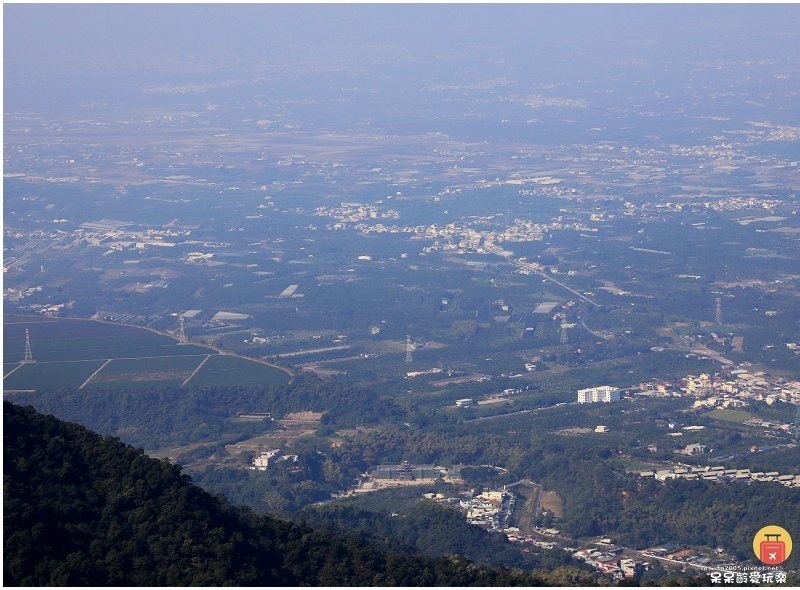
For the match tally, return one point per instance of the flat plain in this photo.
(88, 353)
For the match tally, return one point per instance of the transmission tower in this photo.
(409, 348)
(797, 425)
(564, 328)
(181, 333)
(28, 353)
(718, 315)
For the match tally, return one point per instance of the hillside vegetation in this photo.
(82, 510)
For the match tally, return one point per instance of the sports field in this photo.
(74, 353)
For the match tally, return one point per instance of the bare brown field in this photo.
(552, 501)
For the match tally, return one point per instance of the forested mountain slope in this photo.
(83, 510)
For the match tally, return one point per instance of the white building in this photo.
(262, 461)
(604, 393)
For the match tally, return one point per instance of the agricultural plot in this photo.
(48, 375)
(727, 415)
(223, 369)
(84, 353)
(162, 371)
(72, 340)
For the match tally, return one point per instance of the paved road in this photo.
(530, 411)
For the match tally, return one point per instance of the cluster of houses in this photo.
(720, 474)
(609, 561)
(512, 533)
(352, 213)
(731, 389)
(489, 510)
(785, 427)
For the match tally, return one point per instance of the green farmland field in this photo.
(728, 415)
(49, 375)
(166, 370)
(67, 352)
(233, 370)
(69, 340)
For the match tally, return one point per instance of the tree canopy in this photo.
(83, 510)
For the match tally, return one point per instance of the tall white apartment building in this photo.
(604, 393)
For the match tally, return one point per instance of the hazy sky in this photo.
(47, 34)
(48, 47)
